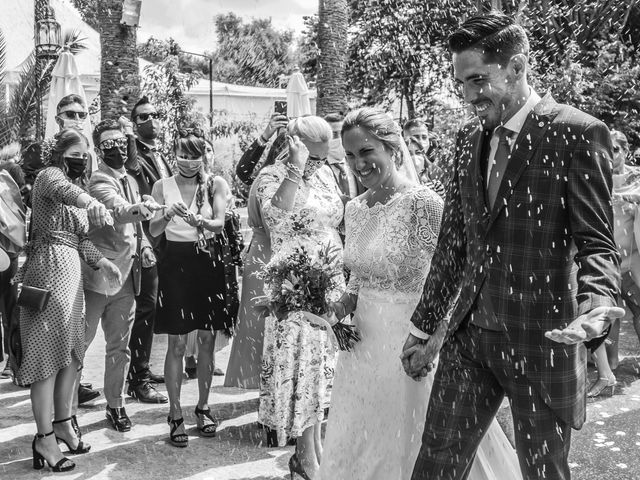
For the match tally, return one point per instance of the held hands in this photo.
(276, 121)
(111, 272)
(419, 356)
(98, 214)
(192, 219)
(149, 203)
(586, 327)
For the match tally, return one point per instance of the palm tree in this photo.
(119, 77)
(20, 107)
(332, 40)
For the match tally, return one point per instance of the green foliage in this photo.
(166, 88)
(307, 50)
(254, 53)
(88, 11)
(156, 51)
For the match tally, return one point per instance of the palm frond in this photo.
(21, 110)
(75, 41)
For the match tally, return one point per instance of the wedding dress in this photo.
(377, 412)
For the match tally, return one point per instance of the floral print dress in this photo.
(298, 360)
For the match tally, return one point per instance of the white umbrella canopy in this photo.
(65, 80)
(297, 96)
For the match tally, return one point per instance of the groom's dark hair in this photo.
(495, 34)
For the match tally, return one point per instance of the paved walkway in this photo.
(608, 447)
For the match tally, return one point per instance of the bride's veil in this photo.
(406, 167)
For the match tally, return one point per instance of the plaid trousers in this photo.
(475, 371)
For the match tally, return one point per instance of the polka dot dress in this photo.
(51, 338)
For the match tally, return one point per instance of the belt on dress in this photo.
(55, 237)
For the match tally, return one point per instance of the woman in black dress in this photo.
(191, 292)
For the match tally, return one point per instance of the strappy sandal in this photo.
(208, 430)
(81, 447)
(177, 439)
(63, 465)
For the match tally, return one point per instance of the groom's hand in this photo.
(418, 357)
(586, 327)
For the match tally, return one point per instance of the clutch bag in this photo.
(34, 298)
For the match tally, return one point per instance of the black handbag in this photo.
(234, 237)
(34, 298)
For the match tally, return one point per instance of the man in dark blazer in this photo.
(147, 165)
(527, 241)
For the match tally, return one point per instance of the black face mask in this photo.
(114, 157)
(75, 166)
(149, 129)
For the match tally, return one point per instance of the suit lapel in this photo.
(530, 136)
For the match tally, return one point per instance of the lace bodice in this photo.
(389, 247)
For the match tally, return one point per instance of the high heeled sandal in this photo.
(296, 467)
(604, 387)
(38, 458)
(208, 430)
(81, 447)
(177, 439)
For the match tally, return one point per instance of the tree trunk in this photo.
(332, 40)
(119, 78)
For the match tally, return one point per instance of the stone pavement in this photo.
(608, 447)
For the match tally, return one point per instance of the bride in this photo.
(377, 411)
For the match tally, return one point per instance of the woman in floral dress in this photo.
(301, 206)
(53, 339)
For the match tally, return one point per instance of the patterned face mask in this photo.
(312, 166)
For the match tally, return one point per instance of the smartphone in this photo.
(280, 106)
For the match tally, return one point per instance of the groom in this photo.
(527, 235)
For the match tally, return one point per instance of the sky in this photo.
(190, 22)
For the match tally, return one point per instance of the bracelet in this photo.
(295, 169)
(167, 217)
(264, 140)
(293, 181)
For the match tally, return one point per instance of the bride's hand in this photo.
(418, 356)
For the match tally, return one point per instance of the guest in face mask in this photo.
(350, 187)
(71, 112)
(191, 276)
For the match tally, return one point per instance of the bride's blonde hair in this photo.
(380, 125)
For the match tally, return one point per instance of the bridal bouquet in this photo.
(301, 282)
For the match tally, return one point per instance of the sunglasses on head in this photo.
(72, 115)
(143, 117)
(110, 143)
(196, 132)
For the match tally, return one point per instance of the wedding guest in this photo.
(245, 359)
(424, 167)
(126, 244)
(246, 167)
(301, 207)
(147, 165)
(349, 185)
(626, 227)
(12, 242)
(53, 338)
(192, 283)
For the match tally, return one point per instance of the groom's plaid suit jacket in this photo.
(545, 250)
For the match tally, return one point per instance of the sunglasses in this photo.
(110, 143)
(196, 132)
(144, 117)
(72, 115)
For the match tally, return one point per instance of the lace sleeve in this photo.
(427, 209)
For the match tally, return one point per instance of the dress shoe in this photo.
(218, 372)
(155, 378)
(86, 394)
(118, 419)
(146, 393)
